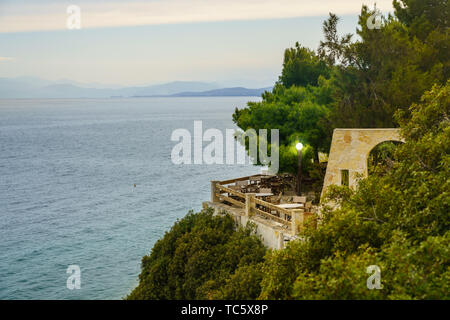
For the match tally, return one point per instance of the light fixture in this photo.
(299, 147)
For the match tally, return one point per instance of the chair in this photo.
(285, 199)
(297, 199)
(241, 183)
(308, 206)
(276, 199)
(255, 180)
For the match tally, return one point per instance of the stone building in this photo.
(349, 152)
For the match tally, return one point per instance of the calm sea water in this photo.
(67, 195)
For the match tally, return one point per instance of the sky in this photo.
(135, 42)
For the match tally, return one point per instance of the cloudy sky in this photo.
(234, 42)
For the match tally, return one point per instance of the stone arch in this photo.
(374, 147)
(350, 149)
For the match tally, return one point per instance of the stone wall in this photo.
(350, 149)
(272, 234)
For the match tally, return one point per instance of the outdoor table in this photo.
(264, 194)
(290, 205)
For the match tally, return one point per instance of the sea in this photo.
(91, 183)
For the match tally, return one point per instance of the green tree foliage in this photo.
(201, 254)
(245, 283)
(354, 82)
(408, 271)
(298, 115)
(423, 17)
(386, 69)
(382, 157)
(301, 67)
(399, 221)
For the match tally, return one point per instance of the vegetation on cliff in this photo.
(398, 220)
(202, 257)
(399, 217)
(353, 82)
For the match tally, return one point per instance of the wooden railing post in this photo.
(297, 220)
(249, 204)
(214, 197)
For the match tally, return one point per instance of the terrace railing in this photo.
(291, 219)
(232, 196)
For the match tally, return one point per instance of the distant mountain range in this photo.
(225, 92)
(30, 87)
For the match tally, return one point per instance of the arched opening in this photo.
(382, 157)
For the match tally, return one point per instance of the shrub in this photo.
(201, 253)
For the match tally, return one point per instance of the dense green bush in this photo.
(408, 271)
(354, 82)
(399, 221)
(202, 256)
